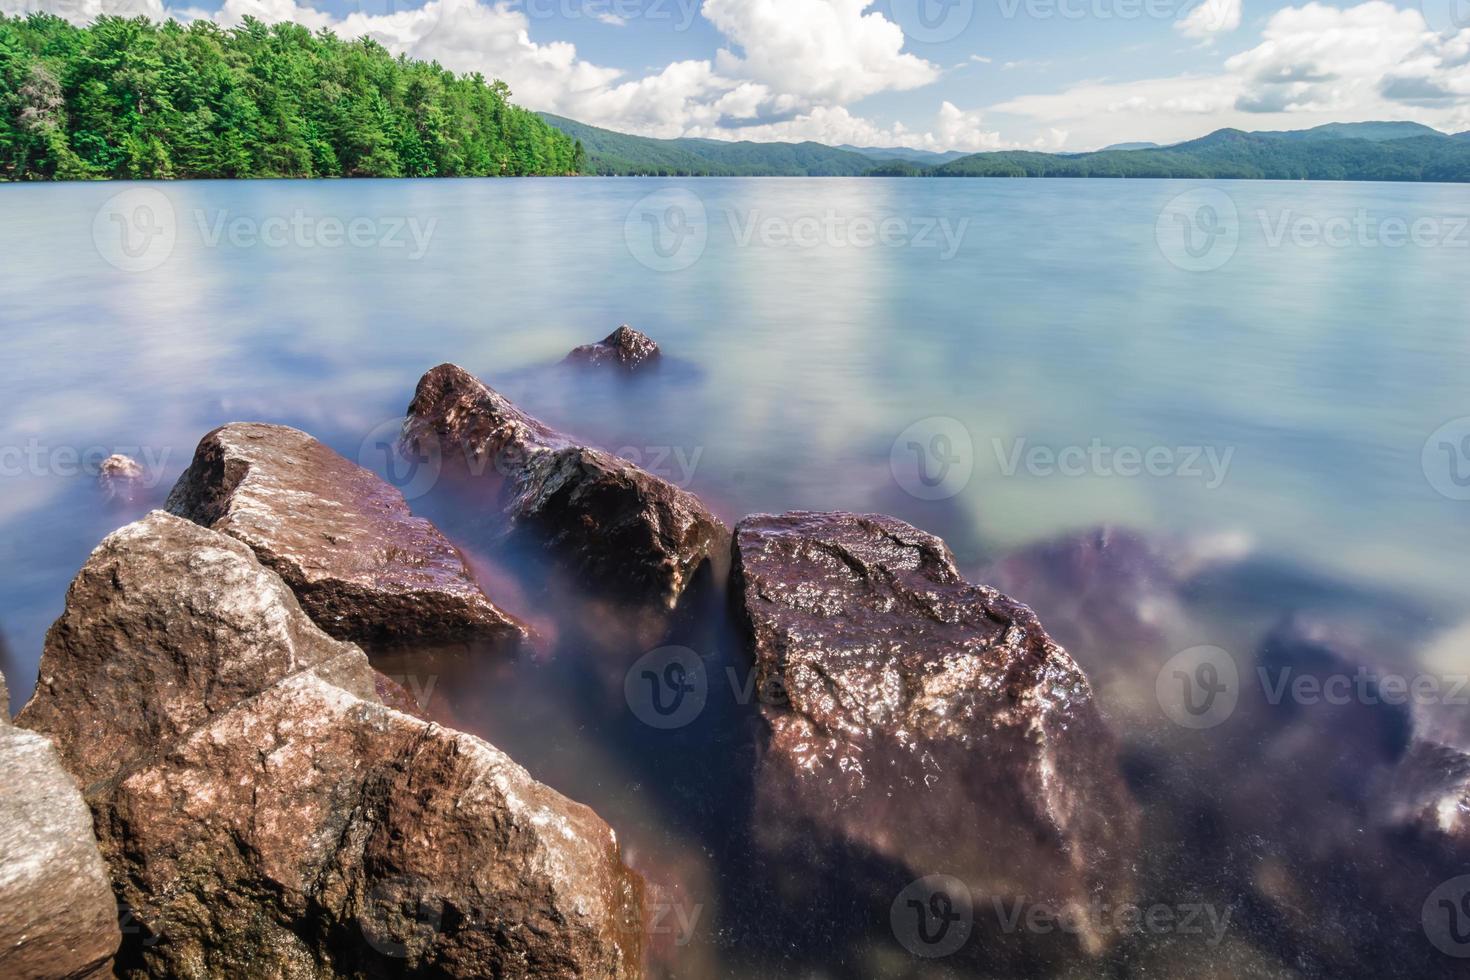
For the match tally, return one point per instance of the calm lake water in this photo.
(1281, 368)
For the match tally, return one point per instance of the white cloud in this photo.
(818, 50)
(1210, 18)
(1314, 64)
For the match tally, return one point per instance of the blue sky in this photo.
(938, 74)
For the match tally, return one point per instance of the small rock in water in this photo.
(262, 814)
(925, 720)
(57, 912)
(614, 526)
(120, 477)
(361, 564)
(624, 348)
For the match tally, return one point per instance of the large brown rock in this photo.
(58, 917)
(262, 814)
(360, 563)
(609, 523)
(928, 721)
(624, 348)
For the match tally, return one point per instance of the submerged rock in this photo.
(262, 814)
(624, 348)
(58, 917)
(607, 522)
(360, 563)
(928, 721)
(121, 478)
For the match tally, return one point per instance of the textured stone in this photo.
(262, 814)
(121, 478)
(360, 563)
(609, 523)
(624, 348)
(928, 721)
(58, 917)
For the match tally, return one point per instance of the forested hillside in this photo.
(134, 99)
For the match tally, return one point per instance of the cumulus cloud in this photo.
(819, 50)
(1314, 64)
(1210, 18)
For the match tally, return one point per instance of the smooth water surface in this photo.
(903, 346)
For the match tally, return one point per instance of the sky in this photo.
(968, 75)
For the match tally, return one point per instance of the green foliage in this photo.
(618, 154)
(134, 99)
(1233, 155)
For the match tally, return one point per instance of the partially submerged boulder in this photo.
(624, 348)
(360, 563)
(610, 524)
(58, 917)
(121, 478)
(928, 721)
(262, 814)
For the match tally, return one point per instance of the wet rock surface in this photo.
(928, 721)
(262, 814)
(58, 917)
(120, 479)
(360, 563)
(606, 522)
(624, 348)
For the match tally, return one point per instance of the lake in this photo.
(1276, 375)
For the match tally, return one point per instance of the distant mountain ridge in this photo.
(1402, 151)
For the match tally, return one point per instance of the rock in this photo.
(925, 720)
(360, 563)
(121, 478)
(58, 916)
(624, 348)
(262, 814)
(608, 523)
(1112, 596)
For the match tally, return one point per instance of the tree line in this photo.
(133, 99)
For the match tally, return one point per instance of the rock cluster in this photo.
(262, 814)
(610, 524)
(927, 720)
(364, 568)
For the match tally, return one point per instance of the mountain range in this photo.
(1402, 151)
